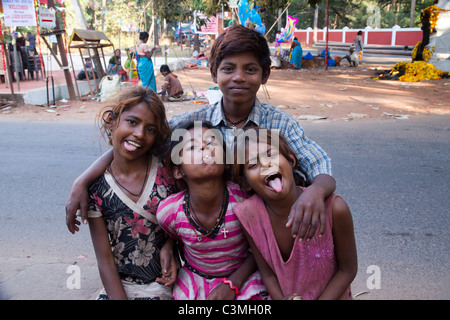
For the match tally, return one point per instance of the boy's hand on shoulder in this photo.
(307, 214)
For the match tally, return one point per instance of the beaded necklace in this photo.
(134, 194)
(202, 233)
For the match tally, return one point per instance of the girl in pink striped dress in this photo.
(217, 262)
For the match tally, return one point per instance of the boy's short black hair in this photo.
(238, 39)
(165, 68)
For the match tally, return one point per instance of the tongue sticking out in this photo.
(129, 147)
(276, 185)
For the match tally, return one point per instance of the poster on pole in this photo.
(19, 13)
(47, 17)
(211, 27)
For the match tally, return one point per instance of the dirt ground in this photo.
(337, 94)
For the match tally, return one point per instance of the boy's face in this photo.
(239, 77)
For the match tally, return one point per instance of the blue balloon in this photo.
(244, 11)
(255, 17)
(261, 29)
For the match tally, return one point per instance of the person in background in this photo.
(31, 46)
(278, 45)
(145, 65)
(130, 66)
(115, 66)
(172, 85)
(88, 65)
(297, 54)
(358, 45)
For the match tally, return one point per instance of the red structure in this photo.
(395, 36)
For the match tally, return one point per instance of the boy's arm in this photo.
(105, 260)
(78, 197)
(345, 249)
(308, 212)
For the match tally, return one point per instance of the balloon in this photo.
(244, 11)
(252, 15)
(255, 17)
(261, 29)
(288, 32)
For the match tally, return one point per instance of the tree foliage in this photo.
(342, 13)
(356, 13)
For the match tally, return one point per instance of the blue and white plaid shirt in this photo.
(312, 158)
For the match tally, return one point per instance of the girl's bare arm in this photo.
(345, 250)
(105, 260)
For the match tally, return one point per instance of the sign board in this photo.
(47, 18)
(19, 13)
(212, 26)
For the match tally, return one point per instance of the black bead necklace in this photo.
(143, 184)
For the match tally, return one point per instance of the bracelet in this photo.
(226, 281)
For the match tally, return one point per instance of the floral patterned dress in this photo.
(134, 233)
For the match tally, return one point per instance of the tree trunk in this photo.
(413, 9)
(316, 19)
(103, 16)
(81, 19)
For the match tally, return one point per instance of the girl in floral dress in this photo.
(123, 201)
(217, 262)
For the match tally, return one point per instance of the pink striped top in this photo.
(221, 255)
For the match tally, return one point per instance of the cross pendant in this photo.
(224, 231)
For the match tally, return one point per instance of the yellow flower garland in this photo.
(426, 54)
(418, 71)
(434, 15)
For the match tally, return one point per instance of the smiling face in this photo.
(268, 172)
(239, 77)
(134, 133)
(268, 164)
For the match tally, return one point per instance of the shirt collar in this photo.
(218, 115)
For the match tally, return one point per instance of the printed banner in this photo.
(212, 26)
(19, 13)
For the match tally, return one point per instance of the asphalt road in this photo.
(394, 174)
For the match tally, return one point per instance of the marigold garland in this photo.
(426, 54)
(418, 71)
(434, 15)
